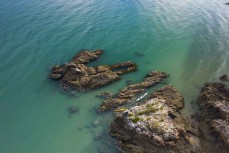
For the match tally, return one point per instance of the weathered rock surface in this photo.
(76, 75)
(214, 105)
(129, 92)
(155, 126)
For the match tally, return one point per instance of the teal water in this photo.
(186, 38)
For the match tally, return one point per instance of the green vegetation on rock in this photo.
(135, 119)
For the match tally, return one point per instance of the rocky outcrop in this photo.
(214, 105)
(155, 126)
(129, 92)
(76, 75)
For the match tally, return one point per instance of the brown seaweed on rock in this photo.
(76, 75)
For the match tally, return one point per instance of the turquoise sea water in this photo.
(186, 38)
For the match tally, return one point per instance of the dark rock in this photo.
(173, 99)
(139, 54)
(73, 109)
(214, 105)
(223, 78)
(123, 67)
(227, 3)
(129, 92)
(85, 56)
(147, 128)
(157, 126)
(77, 76)
(55, 76)
(130, 82)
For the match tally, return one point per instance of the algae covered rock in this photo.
(76, 75)
(148, 127)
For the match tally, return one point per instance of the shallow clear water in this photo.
(187, 38)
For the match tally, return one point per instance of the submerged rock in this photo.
(105, 95)
(155, 126)
(96, 122)
(129, 92)
(223, 78)
(214, 105)
(76, 75)
(73, 109)
(139, 54)
(97, 136)
(130, 82)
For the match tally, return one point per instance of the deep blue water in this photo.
(186, 38)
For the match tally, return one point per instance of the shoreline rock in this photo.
(155, 126)
(214, 106)
(129, 92)
(77, 76)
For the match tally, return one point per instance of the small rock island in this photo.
(76, 75)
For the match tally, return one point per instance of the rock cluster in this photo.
(214, 105)
(155, 126)
(129, 92)
(76, 75)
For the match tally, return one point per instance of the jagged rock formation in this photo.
(155, 126)
(76, 75)
(129, 92)
(214, 105)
